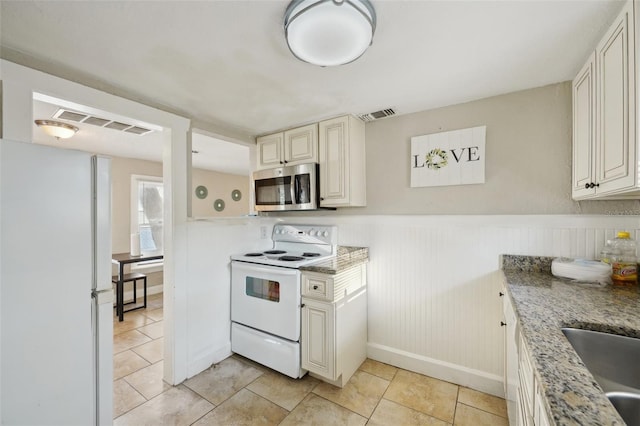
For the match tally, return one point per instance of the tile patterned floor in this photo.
(240, 392)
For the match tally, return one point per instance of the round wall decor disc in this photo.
(202, 192)
(218, 205)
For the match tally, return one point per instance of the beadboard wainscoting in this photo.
(433, 304)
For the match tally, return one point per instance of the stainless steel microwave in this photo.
(287, 188)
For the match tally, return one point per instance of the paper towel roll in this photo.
(135, 244)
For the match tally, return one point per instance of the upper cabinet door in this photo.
(584, 130)
(301, 145)
(270, 151)
(334, 162)
(342, 162)
(615, 61)
(605, 149)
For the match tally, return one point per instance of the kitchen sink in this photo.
(628, 405)
(614, 361)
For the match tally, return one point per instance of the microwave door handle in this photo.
(294, 190)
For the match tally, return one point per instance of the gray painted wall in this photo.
(528, 160)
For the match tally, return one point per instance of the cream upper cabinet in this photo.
(584, 130)
(342, 162)
(270, 151)
(605, 163)
(291, 147)
(301, 145)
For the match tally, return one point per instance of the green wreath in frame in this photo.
(437, 159)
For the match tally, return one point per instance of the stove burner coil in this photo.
(290, 258)
(274, 252)
(253, 254)
(308, 254)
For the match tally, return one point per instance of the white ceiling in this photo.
(211, 153)
(225, 64)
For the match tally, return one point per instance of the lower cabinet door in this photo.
(318, 338)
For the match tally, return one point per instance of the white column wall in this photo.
(19, 85)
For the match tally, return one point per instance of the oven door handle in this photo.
(255, 268)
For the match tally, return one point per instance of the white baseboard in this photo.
(463, 376)
(207, 359)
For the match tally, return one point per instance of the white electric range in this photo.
(266, 295)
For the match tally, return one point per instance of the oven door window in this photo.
(274, 191)
(263, 289)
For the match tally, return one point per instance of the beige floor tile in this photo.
(127, 362)
(425, 394)
(254, 364)
(131, 321)
(483, 401)
(154, 314)
(389, 413)
(128, 340)
(361, 393)
(125, 398)
(316, 411)
(221, 381)
(148, 381)
(244, 408)
(154, 330)
(283, 390)
(379, 369)
(470, 416)
(178, 406)
(152, 351)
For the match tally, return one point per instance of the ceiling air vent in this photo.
(73, 116)
(79, 117)
(383, 113)
(117, 125)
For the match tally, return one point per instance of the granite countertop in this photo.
(345, 258)
(543, 305)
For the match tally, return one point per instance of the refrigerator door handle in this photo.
(102, 329)
(101, 210)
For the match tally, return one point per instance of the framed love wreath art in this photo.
(448, 158)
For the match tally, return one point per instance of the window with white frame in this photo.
(147, 198)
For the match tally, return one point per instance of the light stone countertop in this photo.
(543, 305)
(345, 258)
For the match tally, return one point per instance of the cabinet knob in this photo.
(285, 161)
(282, 162)
(502, 323)
(321, 198)
(315, 287)
(501, 294)
(302, 306)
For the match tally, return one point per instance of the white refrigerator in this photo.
(56, 300)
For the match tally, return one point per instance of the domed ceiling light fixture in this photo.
(57, 129)
(329, 32)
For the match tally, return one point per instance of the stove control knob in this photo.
(312, 233)
(325, 234)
